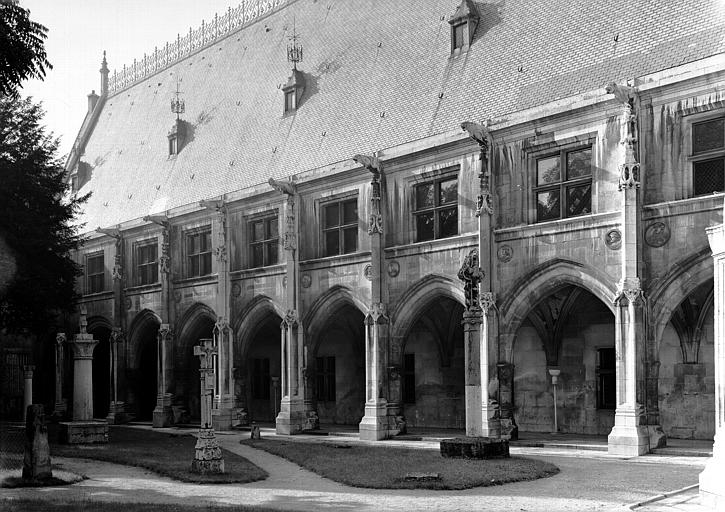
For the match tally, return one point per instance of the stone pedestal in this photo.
(28, 389)
(208, 456)
(292, 417)
(163, 415)
(374, 425)
(83, 432)
(712, 479)
(36, 463)
(117, 413)
(475, 448)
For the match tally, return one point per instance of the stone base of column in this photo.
(657, 437)
(375, 424)
(712, 491)
(117, 413)
(163, 415)
(60, 410)
(491, 426)
(292, 417)
(222, 418)
(628, 438)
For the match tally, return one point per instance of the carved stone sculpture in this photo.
(471, 275)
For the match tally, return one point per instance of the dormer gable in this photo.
(463, 25)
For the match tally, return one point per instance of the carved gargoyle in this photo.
(477, 132)
(285, 187)
(623, 93)
(371, 163)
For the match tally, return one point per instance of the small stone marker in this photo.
(475, 448)
(208, 456)
(36, 463)
(422, 477)
(256, 434)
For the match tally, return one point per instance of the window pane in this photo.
(448, 222)
(332, 243)
(350, 240)
(448, 191)
(424, 196)
(257, 231)
(579, 200)
(708, 135)
(257, 255)
(332, 215)
(708, 176)
(272, 253)
(194, 266)
(349, 212)
(205, 241)
(272, 228)
(459, 35)
(547, 205)
(206, 264)
(424, 227)
(547, 170)
(579, 163)
(191, 244)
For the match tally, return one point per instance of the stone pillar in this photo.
(36, 460)
(28, 388)
(163, 414)
(60, 406)
(509, 429)
(83, 345)
(207, 454)
(472, 353)
(629, 435)
(292, 416)
(375, 423)
(490, 420)
(712, 491)
(116, 410)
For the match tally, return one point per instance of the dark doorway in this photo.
(146, 384)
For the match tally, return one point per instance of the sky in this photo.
(78, 33)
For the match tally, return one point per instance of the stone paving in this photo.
(589, 480)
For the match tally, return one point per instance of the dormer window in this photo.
(289, 101)
(293, 91)
(173, 145)
(463, 25)
(176, 137)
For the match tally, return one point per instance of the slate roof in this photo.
(361, 58)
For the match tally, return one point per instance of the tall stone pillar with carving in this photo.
(116, 408)
(163, 414)
(712, 491)
(83, 345)
(223, 412)
(490, 423)
(292, 417)
(60, 405)
(375, 423)
(629, 436)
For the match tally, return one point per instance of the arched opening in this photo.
(199, 324)
(101, 371)
(339, 367)
(432, 373)
(146, 386)
(572, 331)
(263, 370)
(686, 390)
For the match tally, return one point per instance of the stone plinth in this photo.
(163, 415)
(83, 432)
(208, 456)
(36, 463)
(117, 413)
(475, 448)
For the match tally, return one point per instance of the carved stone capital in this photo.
(221, 253)
(290, 319)
(117, 335)
(376, 224)
(165, 332)
(164, 264)
(628, 175)
(222, 325)
(83, 346)
(289, 241)
(377, 313)
(488, 302)
(630, 290)
(60, 338)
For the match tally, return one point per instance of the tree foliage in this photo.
(22, 48)
(36, 214)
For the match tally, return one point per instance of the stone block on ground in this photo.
(422, 477)
(475, 448)
(208, 455)
(36, 462)
(83, 432)
(256, 434)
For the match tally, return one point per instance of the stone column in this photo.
(629, 435)
(375, 425)
(509, 429)
(83, 345)
(292, 416)
(223, 411)
(163, 413)
(207, 454)
(60, 403)
(28, 388)
(490, 420)
(116, 409)
(712, 490)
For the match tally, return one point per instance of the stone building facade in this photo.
(313, 215)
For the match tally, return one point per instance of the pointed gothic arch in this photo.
(323, 308)
(249, 320)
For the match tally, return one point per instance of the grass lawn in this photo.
(382, 467)
(91, 506)
(166, 454)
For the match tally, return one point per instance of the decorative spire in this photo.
(294, 50)
(177, 104)
(104, 75)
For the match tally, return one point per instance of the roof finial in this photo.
(177, 104)
(294, 50)
(104, 75)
